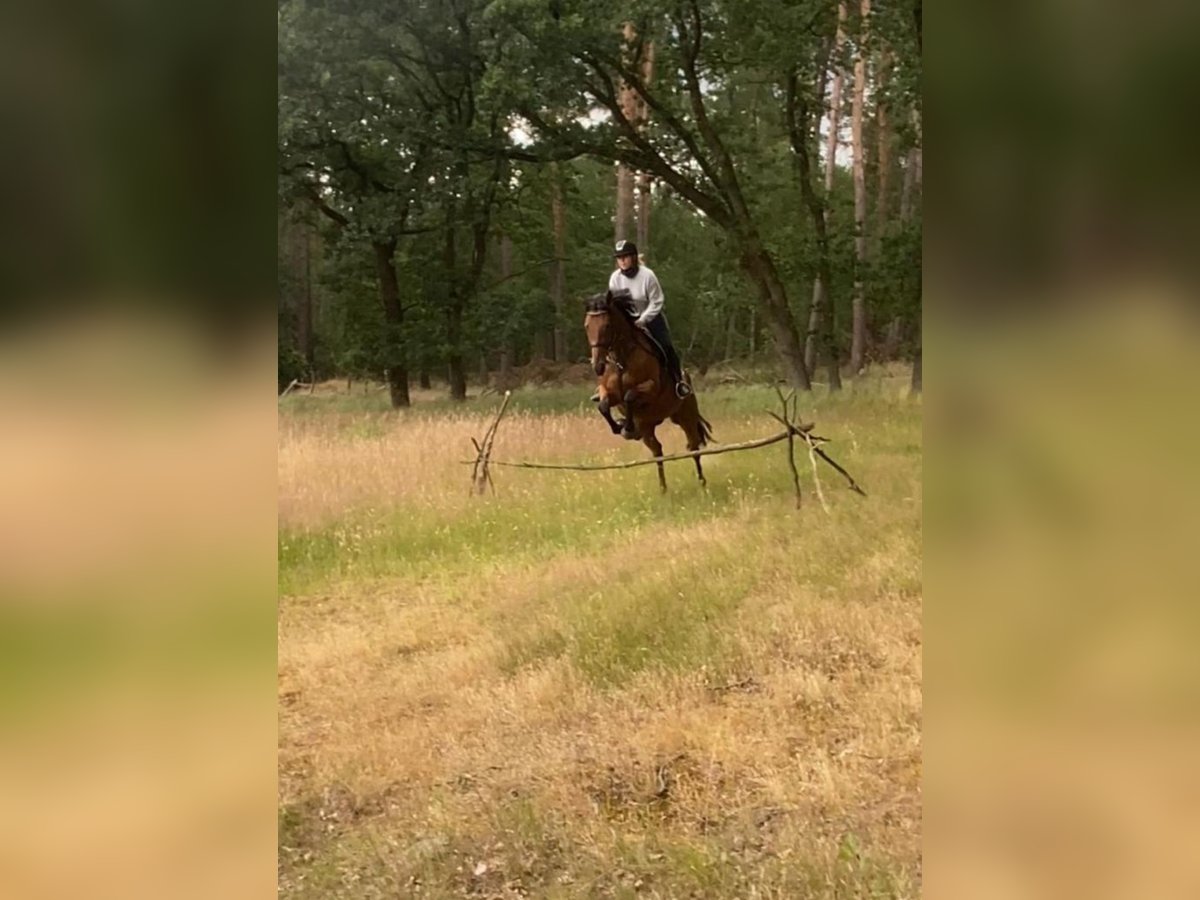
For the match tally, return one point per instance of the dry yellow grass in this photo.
(720, 700)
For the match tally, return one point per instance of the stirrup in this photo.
(683, 390)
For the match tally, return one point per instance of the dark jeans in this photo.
(660, 332)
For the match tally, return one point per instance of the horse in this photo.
(631, 378)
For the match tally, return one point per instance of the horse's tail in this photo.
(704, 427)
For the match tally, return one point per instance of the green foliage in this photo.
(432, 125)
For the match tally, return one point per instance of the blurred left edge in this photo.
(137, 475)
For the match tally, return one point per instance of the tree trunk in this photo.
(623, 219)
(833, 354)
(424, 378)
(304, 320)
(455, 368)
(730, 333)
(820, 294)
(760, 267)
(859, 305)
(643, 182)
(558, 271)
(506, 339)
(389, 295)
(643, 213)
(815, 312)
(912, 180)
(883, 161)
(624, 224)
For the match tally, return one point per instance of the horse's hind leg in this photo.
(629, 431)
(695, 439)
(694, 445)
(656, 448)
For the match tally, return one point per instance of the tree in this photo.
(859, 310)
(559, 69)
(820, 296)
(558, 277)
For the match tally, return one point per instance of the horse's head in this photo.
(609, 319)
(597, 325)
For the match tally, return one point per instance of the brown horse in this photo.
(632, 379)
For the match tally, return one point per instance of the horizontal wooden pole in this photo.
(693, 454)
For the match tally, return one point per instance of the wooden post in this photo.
(791, 440)
(480, 476)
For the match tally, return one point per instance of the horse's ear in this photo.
(608, 296)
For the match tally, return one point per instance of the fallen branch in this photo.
(481, 474)
(596, 467)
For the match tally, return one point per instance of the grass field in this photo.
(578, 687)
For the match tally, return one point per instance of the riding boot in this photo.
(661, 332)
(682, 388)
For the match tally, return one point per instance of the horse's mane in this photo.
(621, 300)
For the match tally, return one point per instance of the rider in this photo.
(647, 295)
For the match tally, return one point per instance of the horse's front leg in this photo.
(605, 410)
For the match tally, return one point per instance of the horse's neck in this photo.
(628, 341)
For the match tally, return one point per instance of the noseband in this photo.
(599, 312)
(609, 355)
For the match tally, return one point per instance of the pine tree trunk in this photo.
(859, 304)
(558, 271)
(624, 222)
(761, 268)
(912, 177)
(643, 182)
(455, 367)
(304, 320)
(833, 354)
(820, 295)
(883, 161)
(389, 295)
(643, 213)
(812, 336)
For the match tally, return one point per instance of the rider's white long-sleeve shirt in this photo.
(646, 291)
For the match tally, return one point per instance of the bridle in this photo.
(609, 356)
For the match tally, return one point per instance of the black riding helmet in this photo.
(626, 248)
